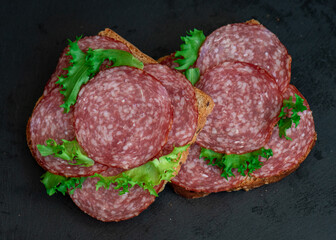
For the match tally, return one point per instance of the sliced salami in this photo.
(123, 117)
(247, 105)
(184, 103)
(247, 42)
(49, 121)
(287, 155)
(107, 205)
(94, 42)
(169, 61)
(196, 175)
(112, 172)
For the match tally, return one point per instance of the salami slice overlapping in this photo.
(247, 42)
(287, 155)
(184, 103)
(94, 42)
(247, 105)
(123, 117)
(107, 205)
(49, 121)
(196, 175)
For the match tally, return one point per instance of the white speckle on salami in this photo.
(250, 43)
(184, 104)
(135, 104)
(49, 121)
(247, 103)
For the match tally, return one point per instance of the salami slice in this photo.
(112, 172)
(288, 155)
(94, 42)
(169, 61)
(107, 205)
(184, 103)
(247, 42)
(247, 105)
(49, 121)
(196, 175)
(123, 117)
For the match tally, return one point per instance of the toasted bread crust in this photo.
(204, 102)
(134, 50)
(253, 22)
(188, 194)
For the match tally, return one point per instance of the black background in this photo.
(33, 34)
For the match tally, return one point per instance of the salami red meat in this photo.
(107, 205)
(287, 155)
(184, 104)
(112, 172)
(196, 175)
(123, 117)
(94, 42)
(247, 42)
(49, 121)
(247, 105)
(169, 61)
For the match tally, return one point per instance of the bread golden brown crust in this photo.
(188, 194)
(253, 22)
(134, 50)
(204, 102)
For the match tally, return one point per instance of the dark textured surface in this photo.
(302, 206)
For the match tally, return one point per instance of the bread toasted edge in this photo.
(134, 50)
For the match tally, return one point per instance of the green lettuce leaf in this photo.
(95, 58)
(287, 121)
(55, 183)
(188, 54)
(78, 74)
(85, 65)
(189, 49)
(193, 75)
(146, 176)
(242, 162)
(69, 151)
